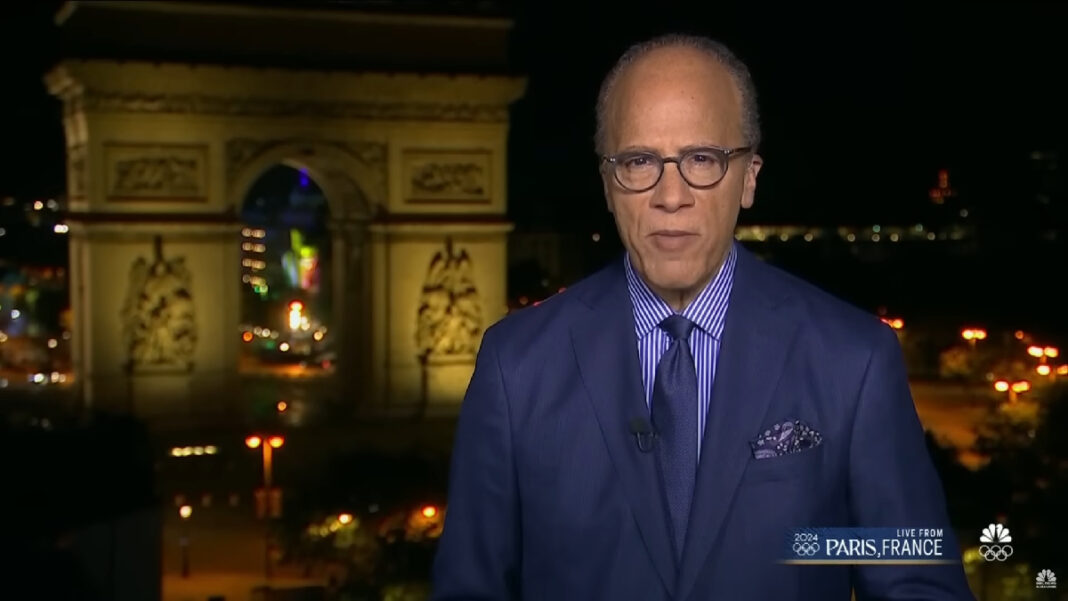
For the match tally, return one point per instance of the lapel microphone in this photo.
(643, 433)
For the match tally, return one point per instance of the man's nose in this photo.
(672, 192)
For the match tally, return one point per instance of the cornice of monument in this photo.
(186, 89)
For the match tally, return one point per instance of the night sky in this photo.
(860, 106)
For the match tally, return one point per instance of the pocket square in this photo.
(788, 437)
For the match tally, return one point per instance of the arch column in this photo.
(351, 302)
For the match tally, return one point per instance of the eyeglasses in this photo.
(699, 167)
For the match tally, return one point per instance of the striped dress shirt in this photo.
(708, 311)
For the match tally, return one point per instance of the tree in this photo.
(1029, 472)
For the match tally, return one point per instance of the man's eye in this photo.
(637, 162)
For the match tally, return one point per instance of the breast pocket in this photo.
(784, 467)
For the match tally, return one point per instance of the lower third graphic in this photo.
(891, 546)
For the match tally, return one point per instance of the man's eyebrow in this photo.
(701, 146)
(683, 150)
(633, 149)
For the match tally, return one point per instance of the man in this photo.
(653, 432)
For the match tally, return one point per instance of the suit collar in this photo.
(606, 350)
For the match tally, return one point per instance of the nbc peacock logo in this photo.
(995, 540)
(1046, 579)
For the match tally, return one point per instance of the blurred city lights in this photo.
(194, 451)
(345, 518)
(185, 511)
(282, 406)
(1043, 370)
(429, 511)
(276, 441)
(1035, 351)
(1001, 386)
(253, 442)
(896, 322)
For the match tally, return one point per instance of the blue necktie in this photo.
(674, 415)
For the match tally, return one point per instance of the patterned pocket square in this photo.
(788, 437)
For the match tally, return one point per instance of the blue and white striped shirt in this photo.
(708, 311)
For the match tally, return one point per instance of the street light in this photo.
(269, 496)
(273, 442)
(185, 511)
(972, 335)
(1014, 389)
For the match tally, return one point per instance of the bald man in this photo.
(655, 431)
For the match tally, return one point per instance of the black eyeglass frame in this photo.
(724, 154)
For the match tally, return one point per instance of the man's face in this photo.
(670, 100)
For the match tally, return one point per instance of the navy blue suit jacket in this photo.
(550, 498)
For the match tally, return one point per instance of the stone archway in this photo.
(159, 155)
(343, 171)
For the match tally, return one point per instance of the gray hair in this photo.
(709, 47)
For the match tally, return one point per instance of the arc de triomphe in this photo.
(162, 154)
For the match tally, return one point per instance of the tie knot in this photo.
(678, 327)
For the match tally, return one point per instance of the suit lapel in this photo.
(606, 349)
(756, 338)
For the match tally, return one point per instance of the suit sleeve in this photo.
(478, 555)
(893, 483)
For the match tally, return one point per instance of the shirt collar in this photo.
(708, 311)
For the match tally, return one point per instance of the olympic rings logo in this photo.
(995, 552)
(806, 549)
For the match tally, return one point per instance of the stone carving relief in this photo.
(159, 321)
(459, 176)
(76, 186)
(136, 172)
(449, 321)
(204, 104)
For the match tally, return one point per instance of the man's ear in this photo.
(749, 185)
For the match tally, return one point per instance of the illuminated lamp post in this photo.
(185, 511)
(1014, 389)
(972, 335)
(268, 499)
